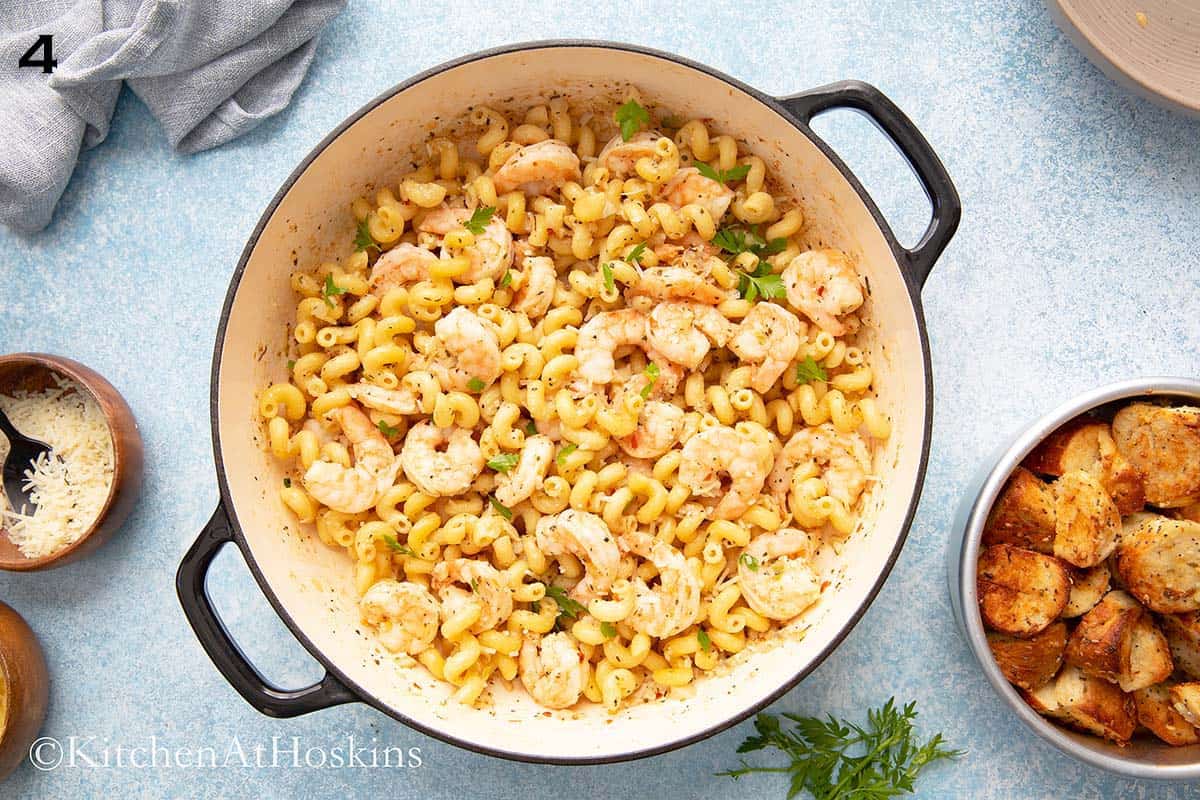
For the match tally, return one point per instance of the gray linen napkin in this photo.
(208, 70)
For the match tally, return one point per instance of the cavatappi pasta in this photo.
(580, 414)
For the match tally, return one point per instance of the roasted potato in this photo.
(1088, 586)
(1159, 562)
(1155, 711)
(1029, 663)
(1087, 444)
(1185, 699)
(1163, 443)
(1023, 514)
(1086, 522)
(1091, 704)
(1191, 512)
(1183, 636)
(1020, 592)
(1119, 642)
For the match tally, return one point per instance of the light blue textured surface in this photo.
(1075, 265)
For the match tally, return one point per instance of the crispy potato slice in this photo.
(1088, 587)
(1159, 562)
(1086, 522)
(1164, 444)
(1150, 659)
(1020, 592)
(1102, 642)
(1029, 663)
(1155, 711)
(1088, 703)
(1183, 636)
(1087, 444)
(1185, 699)
(1023, 514)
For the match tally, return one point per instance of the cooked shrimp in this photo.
(552, 670)
(357, 488)
(678, 283)
(681, 332)
(587, 537)
(485, 588)
(392, 401)
(769, 338)
(492, 252)
(688, 186)
(404, 615)
(841, 458)
(823, 285)
(403, 264)
(674, 603)
(657, 430)
(469, 349)
(776, 574)
(521, 482)
(620, 157)
(721, 450)
(436, 471)
(534, 297)
(690, 247)
(538, 168)
(600, 337)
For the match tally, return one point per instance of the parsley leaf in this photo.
(565, 451)
(391, 542)
(653, 371)
(291, 364)
(363, 239)
(809, 370)
(331, 289)
(531, 428)
(387, 430)
(750, 561)
(742, 240)
(566, 606)
(474, 586)
(506, 279)
(610, 284)
(705, 642)
(834, 759)
(722, 176)
(761, 283)
(503, 462)
(501, 509)
(635, 255)
(479, 219)
(608, 630)
(632, 118)
(476, 385)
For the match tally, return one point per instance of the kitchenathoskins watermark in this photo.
(279, 752)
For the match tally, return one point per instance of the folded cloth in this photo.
(208, 70)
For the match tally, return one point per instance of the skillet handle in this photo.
(224, 652)
(868, 100)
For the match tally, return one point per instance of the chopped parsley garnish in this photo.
(705, 642)
(476, 385)
(395, 546)
(287, 483)
(387, 430)
(610, 285)
(566, 606)
(631, 117)
(653, 371)
(748, 240)
(750, 561)
(291, 364)
(565, 451)
(363, 239)
(635, 255)
(723, 176)
(506, 279)
(503, 462)
(531, 428)
(330, 290)
(809, 370)
(608, 630)
(761, 283)
(474, 586)
(501, 509)
(480, 217)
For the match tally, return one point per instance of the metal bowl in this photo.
(1143, 757)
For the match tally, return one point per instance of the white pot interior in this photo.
(313, 584)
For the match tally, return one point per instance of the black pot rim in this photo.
(327, 662)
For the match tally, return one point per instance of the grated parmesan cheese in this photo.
(70, 485)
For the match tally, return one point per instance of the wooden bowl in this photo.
(1148, 46)
(33, 372)
(24, 689)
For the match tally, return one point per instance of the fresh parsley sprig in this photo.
(567, 608)
(761, 283)
(480, 217)
(723, 176)
(500, 508)
(331, 290)
(363, 240)
(837, 760)
(652, 371)
(610, 284)
(503, 462)
(809, 370)
(395, 545)
(387, 430)
(565, 451)
(631, 118)
(736, 241)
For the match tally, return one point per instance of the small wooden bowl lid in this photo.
(1149, 46)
